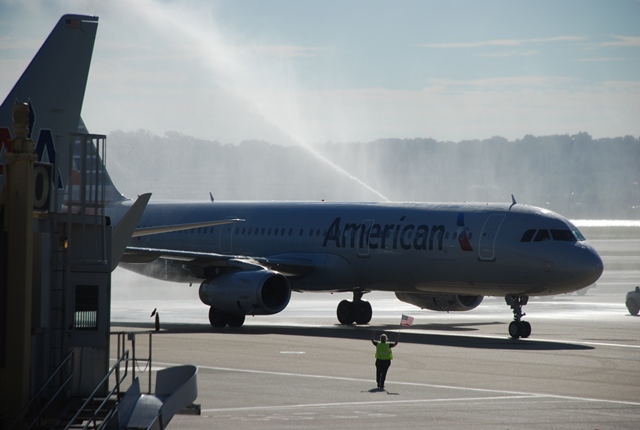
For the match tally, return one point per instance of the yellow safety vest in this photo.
(383, 351)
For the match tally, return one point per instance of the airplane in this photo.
(438, 256)
(248, 257)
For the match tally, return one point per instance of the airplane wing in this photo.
(288, 265)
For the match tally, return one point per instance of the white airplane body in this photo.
(249, 256)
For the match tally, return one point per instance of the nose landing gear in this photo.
(517, 327)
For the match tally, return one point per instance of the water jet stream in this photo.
(224, 59)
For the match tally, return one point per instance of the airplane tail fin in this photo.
(53, 85)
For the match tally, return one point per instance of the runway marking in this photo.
(505, 393)
(375, 402)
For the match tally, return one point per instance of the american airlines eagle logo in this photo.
(463, 237)
(45, 144)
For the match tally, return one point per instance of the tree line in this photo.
(575, 175)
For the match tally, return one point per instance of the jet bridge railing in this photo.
(115, 391)
(67, 363)
(122, 338)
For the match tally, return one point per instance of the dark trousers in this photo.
(381, 371)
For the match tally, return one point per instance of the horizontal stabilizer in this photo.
(125, 228)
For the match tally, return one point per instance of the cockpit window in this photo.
(563, 235)
(578, 235)
(542, 235)
(528, 235)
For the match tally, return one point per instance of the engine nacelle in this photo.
(257, 292)
(441, 302)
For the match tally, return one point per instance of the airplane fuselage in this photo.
(474, 249)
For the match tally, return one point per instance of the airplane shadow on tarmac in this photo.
(365, 333)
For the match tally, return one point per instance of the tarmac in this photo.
(300, 369)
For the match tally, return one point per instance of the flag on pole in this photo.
(406, 321)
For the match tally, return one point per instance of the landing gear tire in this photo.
(519, 329)
(235, 320)
(514, 329)
(345, 312)
(217, 318)
(633, 307)
(358, 310)
(363, 312)
(220, 319)
(525, 329)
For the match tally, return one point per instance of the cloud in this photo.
(500, 42)
(504, 82)
(621, 42)
(284, 51)
(601, 59)
(511, 53)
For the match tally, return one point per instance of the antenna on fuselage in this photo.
(513, 201)
(211, 196)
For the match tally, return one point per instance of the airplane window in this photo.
(542, 235)
(562, 235)
(290, 231)
(301, 232)
(578, 235)
(528, 235)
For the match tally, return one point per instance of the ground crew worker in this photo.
(383, 358)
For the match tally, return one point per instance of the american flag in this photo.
(406, 321)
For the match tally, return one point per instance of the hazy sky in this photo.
(332, 70)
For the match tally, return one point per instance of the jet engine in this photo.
(257, 292)
(441, 302)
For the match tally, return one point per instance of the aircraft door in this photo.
(488, 237)
(226, 236)
(362, 238)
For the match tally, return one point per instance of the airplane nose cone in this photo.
(590, 265)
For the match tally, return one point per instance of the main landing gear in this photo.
(219, 318)
(518, 328)
(358, 311)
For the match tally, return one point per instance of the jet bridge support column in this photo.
(18, 198)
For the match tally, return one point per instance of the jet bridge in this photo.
(56, 252)
(56, 259)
